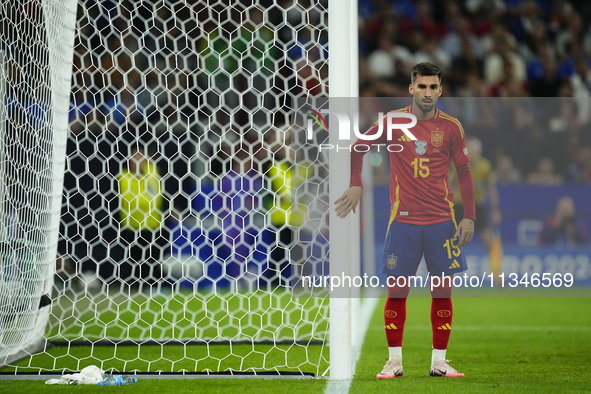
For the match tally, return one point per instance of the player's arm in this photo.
(461, 159)
(466, 226)
(350, 198)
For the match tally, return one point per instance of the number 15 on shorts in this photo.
(452, 248)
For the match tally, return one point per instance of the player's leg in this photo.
(394, 319)
(441, 323)
(402, 254)
(444, 258)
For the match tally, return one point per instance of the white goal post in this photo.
(190, 205)
(36, 51)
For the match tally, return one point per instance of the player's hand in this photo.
(348, 201)
(466, 230)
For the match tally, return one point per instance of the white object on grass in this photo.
(89, 375)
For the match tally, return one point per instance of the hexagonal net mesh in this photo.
(180, 236)
(36, 46)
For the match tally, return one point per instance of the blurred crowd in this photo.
(486, 49)
(495, 49)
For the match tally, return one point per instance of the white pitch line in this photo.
(369, 305)
(367, 308)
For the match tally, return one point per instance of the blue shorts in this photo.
(406, 244)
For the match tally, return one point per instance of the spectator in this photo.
(541, 49)
(466, 65)
(383, 21)
(545, 175)
(566, 89)
(509, 85)
(506, 173)
(583, 170)
(581, 83)
(525, 139)
(284, 209)
(546, 83)
(472, 86)
(581, 79)
(475, 6)
(429, 52)
(452, 43)
(382, 61)
(484, 14)
(567, 119)
(574, 34)
(426, 23)
(452, 12)
(572, 145)
(141, 214)
(503, 50)
(530, 18)
(562, 228)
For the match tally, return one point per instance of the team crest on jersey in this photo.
(437, 138)
(421, 147)
(392, 261)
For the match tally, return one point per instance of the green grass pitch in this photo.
(503, 345)
(260, 317)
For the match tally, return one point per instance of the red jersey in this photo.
(419, 180)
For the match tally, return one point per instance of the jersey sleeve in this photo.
(466, 185)
(357, 157)
(459, 152)
(460, 157)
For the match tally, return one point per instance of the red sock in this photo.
(395, 315)
(441, 316)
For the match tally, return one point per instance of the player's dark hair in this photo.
(425, 69)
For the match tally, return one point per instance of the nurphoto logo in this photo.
(344, 129)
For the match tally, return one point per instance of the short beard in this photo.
(422, 108)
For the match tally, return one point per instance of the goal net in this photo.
(36, 42)
(190, 202)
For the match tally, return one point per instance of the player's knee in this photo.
(398, 286)
(443, 288)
